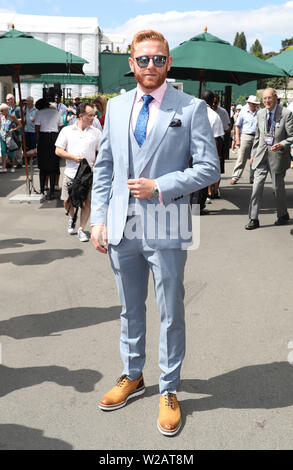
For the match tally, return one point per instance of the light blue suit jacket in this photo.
(167, 153)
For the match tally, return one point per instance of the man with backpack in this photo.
(75, 143)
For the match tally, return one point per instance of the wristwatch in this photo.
(156, 191)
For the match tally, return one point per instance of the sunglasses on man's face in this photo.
(158, 60)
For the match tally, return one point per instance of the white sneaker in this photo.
(208, 200)
(82, 236)
(70, 228)
(3, 170)
(12, 170)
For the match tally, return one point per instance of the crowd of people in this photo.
(44, 121)
(118, 50)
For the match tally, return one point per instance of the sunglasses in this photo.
(158, 60)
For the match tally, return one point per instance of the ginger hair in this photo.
(148, 35)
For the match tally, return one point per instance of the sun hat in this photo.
(252, 99)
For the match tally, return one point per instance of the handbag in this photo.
(11, 143)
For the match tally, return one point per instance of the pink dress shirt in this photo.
(154, 107)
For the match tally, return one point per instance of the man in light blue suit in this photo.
(141, 215)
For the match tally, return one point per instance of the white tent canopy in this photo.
(48, 24)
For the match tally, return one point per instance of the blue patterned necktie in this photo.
(142, 120)
(269, 122)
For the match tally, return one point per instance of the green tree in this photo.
(273, 82)
(242, 41)
(267, 55)
(286, 43)
(256, 49)
(236, 40)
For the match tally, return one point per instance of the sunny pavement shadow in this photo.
(239, 196)
(9, 183)
(45, 324)
(54, 203)
(16, 437)
(82, 380)
(264, 386)
(261, 386)
(29, 258)
(19, 242)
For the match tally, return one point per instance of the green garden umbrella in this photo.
(208, 58)
(283, 60)
(22, 54)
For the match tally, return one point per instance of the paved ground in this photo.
(59, 328)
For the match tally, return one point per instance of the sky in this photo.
(269, 21)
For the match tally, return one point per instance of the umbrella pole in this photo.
(201, 78)
(28, 188)
(199, 90)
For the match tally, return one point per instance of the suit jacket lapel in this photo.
(262, 120)
(124, 124)
(165, 115)
(278, 114)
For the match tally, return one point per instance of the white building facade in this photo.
(78, 35)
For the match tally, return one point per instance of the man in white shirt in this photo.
(81, 140)
(205, 194)
(215, 121)
(225, 118)
(222, 113)
(245, 129)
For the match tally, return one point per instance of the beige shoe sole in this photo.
(123, 403)
(169, 433)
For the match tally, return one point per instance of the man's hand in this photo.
(142, 188)
(251, 161)
(277, 147)
(64, 154)
(99, 238)
(237, 135)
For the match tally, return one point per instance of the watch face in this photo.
(156, 192)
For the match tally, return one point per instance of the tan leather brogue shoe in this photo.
(169, 420)
(124, 389)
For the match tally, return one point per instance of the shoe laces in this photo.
(120, 382)
(169, 400)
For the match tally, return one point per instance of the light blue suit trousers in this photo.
(131, 262)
